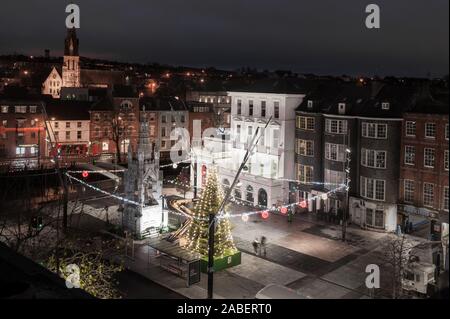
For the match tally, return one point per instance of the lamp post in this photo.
(346, 211)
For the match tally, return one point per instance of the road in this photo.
(135, 286)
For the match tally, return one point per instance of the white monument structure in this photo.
(143, 213)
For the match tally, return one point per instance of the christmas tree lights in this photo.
(197, 234)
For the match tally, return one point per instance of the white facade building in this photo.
(264, 181)
(52, 85)
(69, 133)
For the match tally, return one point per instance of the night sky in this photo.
(320, 36)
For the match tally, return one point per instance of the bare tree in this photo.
(396, 256)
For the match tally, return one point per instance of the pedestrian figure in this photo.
(256, 245)
(290, 215)
(263, 245)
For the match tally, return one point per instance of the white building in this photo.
(264, 181)
(69, 126)
(52, 85)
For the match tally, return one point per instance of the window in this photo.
(263, 108)
(429, 157)
(163, 131)
(446, 132)
(305, 123)
(374, 130)
(305, 148)
(336, 126)
(105, 146)
(21, 109)
(67, 124)
(249, 195)
(446, 160)
(250, 108)
(20, 151)
(33, 109)
(310, 104)
(56, 124)
(78, 135)
(250, 131)
(79, 124)
(408, 190)
(163, 144)
(173, 119)
(341, 108)
(430, 130)
(56, 134)
(335, 152)
(276, 109)
(276, 137)
(172, 143)
(374, 159)
(182, 119)
(4, 108)
(428, 194)
(239, 107)
(410, 128)
(305, 173)
(238, 130)
(68, 135)
(372, 188)
(375, 218)
(163, 119)
(445, 197)
(385, 106)
(333, 178)
(410, 155)
(5, 123)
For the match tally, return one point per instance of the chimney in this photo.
(47, 53)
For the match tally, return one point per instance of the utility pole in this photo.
(212, 217)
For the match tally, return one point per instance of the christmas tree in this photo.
(197, 234)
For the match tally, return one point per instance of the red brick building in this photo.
(22, 131)
(201, 114)
(115, 121)
(424, 165)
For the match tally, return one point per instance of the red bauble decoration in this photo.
(265, 214)
(85, 174)
(284, 210)
(303, 204)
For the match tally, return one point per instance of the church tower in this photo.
(71, 66)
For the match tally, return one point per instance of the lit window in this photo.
(305, 173)
(21, 109)
(4, 108)
(78, 135)
(446, 132)
(430, 130)
(305, 148)
(375, 218)
(68, 135)
(33, 109)
(410, 128)
(67, 124)
(428, 194)
(385, 106)
(305, 123)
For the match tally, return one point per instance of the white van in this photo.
(274, 291)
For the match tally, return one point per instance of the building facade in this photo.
(424, 167)
(22, 132)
